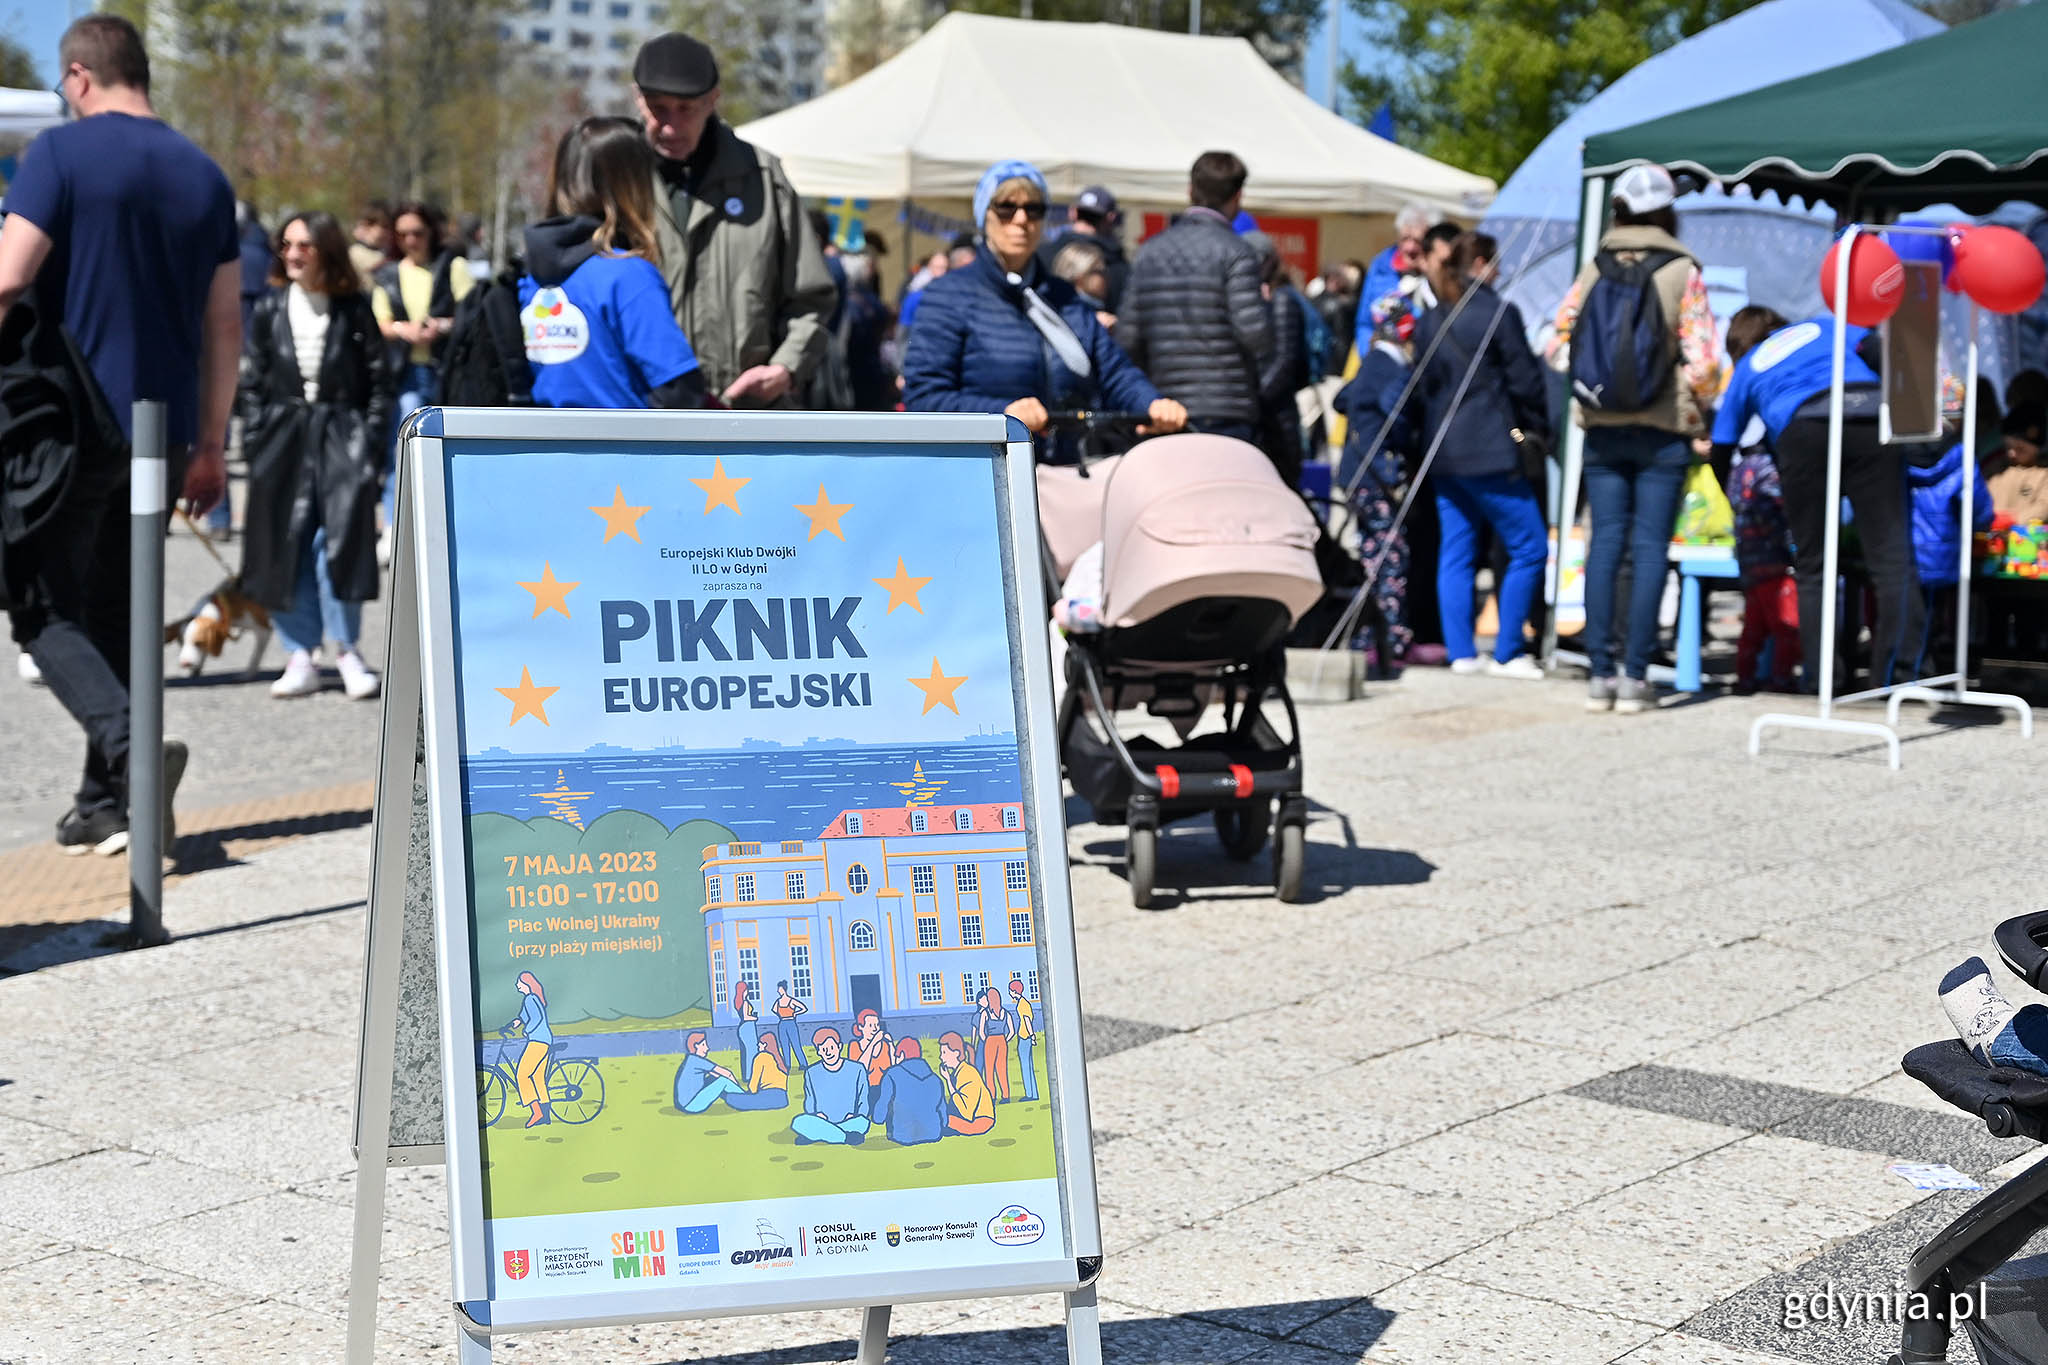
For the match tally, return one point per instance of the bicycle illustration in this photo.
(575, 1087)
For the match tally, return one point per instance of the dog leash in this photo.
(199, 534)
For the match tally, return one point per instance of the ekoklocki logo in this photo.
(554, 328)
(1015, 1226)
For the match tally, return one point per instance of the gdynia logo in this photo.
(518, 1264)
(639, 1255)
(773, 1247)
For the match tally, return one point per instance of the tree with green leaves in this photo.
(1483, 81)
(19, 69)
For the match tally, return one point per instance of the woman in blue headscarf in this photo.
(1003, 335)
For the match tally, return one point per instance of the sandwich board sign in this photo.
(753, 975)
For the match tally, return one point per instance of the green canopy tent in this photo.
(1954, 117)
(1951, 118)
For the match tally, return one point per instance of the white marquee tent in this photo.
(25, 113)
(1090, 104)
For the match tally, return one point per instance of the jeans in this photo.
(418, 386)
(1026, 1047)
(770, 1098)
(815, 1129)
(750, 1045)
(792, 1045)
(71, 589)
(1874, 480)
(713, 1089)
(1508, 504)
(1635, 477)
(314, 610)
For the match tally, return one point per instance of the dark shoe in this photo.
(856, 1139)
(104, 832)
(1600, 694)
(1633, 695)
(175, 756)
(1744, 687)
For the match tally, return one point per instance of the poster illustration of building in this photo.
(755, 935)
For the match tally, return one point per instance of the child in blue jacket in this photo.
(1934, 484)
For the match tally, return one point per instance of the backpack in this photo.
(1624, 351)
(1316, 333)
(485, 365)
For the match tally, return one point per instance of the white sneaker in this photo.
(1468, 666)
(356, 678)
(1521, 666)
(301, 677)
(30, 674)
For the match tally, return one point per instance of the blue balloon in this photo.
(1920, 246)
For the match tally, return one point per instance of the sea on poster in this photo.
(758, 975)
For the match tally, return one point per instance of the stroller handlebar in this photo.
(1091, 419)
(2019, 943)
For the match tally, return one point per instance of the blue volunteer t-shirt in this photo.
(604, 338)
(138, 220)
(1781, 372)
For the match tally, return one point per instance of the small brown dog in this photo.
(222, 615)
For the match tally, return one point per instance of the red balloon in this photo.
(1999, 269)
(1877, 282)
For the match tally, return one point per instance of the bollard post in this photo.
(146, 505)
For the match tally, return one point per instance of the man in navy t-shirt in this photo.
(123, 231)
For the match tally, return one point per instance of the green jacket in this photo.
(745, 274)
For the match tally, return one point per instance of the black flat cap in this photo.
(675, 64)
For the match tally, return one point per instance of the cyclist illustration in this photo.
(532, 1023)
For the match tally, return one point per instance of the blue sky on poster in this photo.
(516, 515)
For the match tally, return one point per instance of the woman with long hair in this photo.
(595, 313)
(532, 1070)
(414, 298)
(992, 1027)
(316, 406)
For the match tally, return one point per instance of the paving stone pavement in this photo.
(1582, 1047)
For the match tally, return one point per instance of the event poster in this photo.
(755, 938)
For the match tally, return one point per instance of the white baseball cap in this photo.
(1645, 189)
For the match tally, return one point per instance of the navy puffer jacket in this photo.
(974, 350)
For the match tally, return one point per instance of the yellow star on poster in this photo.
(939, 689)
(719, 491)
(550, 593)
(825, 515)
(619, 519)
(902, 589)
(526, 699)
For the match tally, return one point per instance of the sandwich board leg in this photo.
(386, 932)
(874, 1334)
(472, 1343)
(1084, 1327)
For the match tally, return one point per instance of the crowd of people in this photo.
(675, 265)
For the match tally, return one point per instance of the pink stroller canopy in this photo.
(1193, 516)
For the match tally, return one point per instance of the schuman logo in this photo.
(518, 1264)
(1015, 1226)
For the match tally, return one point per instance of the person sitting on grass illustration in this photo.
(911, 1100)
(532, 1069)
(972, 1111)
(701, 1082)
(871, 1045)
(835, 1096)
(787, 1008)
(767, 1082)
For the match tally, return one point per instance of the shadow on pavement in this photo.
(1191, 860)
(1178, 1340)
(31, 947)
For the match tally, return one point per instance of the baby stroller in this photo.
(1976, 1260)
(1207, 560)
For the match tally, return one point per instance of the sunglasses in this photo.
(1009, 209)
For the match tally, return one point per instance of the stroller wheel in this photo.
(1287, 856)
(1141, 862)
(1243, 828)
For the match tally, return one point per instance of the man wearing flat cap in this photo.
(745, 273)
